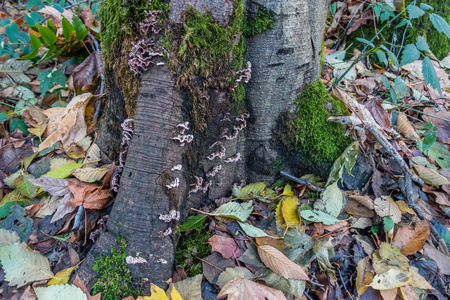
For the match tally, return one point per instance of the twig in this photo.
(209, 264)
(309, 185)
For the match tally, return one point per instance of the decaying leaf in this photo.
(63, 291)
(442, 260)
(55, 187)
(8, 237)
(287, 212)
(48, 205)
(344, 163)
(391, 279)
(88, 195)
(225, 246)
(251, 191)
(234, 210)
(244, 289)
(363, 277)
(318, 216)
(190, 288)
(23, 265)
(232, 273)
(409, 240)
(405, 127)
(430, 176)
(280, 264)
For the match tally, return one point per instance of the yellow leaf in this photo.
(289, 209)
(279, 214)
(174, 295)
(430, 176)
(157, 293)
(419, 282)
(61, 277)
(90, 174)
(391, 279)
(287, 191)
(363, 277)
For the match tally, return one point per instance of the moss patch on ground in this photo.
(310, 135)
(263, 20)
(190, 247)
(114, 278)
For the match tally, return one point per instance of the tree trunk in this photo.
(284, 60)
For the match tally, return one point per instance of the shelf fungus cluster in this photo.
(127, 134)
(141, 56)
(183, 138)
(198, 185)
(245, 74)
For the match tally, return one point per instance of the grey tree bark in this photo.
(284, 60)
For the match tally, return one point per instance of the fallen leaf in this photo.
(190, 288)
(408, 293)
(244, 289)
(379, 113)
(391, 279)
(430, 176)
(409, 240)
(88, 195)
(389, 294)
(62, 277)
(90, 174)
(385, 206)
(405, 127)
(232, 273)
(63, 209)
(277, 243)
(318, 216)
(418, 281)
(234, 210)
(77, 282)
(288, 210)
(23, 265)
(48, 206)
(225, 246)
(333, 199)
(355, 208)
(363, 277)
(66, 291)
(55, 187)
(156, 293)
(8, 237)
(88, 70)
(251, 230)
(442, 260)
(280, 264)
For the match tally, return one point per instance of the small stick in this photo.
(309, 185)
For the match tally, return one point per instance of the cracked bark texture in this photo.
(284, 60)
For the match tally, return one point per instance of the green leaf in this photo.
(25, 187)
(51, 26)
(367, 42)
(23, 265)
(443, 231)
(318, 216)
(63, 171)
(192, 222)
(386, 82)
(33, 19)
(415, 12)
(3, 116)
(400, 85)
(80, 29)
(333, 199)
(35, 42)
(47, 35)
(425, 6)
(38, 3)
(67, 29)
(19, 124)
(430, 75)
(251, 191)
(18, 221)
(95, 7)
(252, 231)
(440, 24)
(4, 22)
(410, 54)
(48, 78)
(382, 57)
(5, 209)
(388, 224)
(391, 55)
(30, 55)
(234, 210)
(346, 162)
(422, 44)
(428, 140)
(428, 125)
(12, 32)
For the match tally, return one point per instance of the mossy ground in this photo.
(438, 42)
(191, 247)
(114, 278)
(310, 135)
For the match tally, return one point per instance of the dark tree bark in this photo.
(284, 60)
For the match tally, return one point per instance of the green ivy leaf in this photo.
(47, 35)
(192, 222)
(67, 29)
(430, 75)
(410, 54)
(35, 42)
(12, 32)
(388, 224)
(429, 140)
(80, 29)
(18, 123)
(422, 44)
(415, 12)
(440, 24)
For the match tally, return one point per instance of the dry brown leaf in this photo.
(88, 70)
(385, 206)
(409, 240)
(342, 226)
(379, 114)
(88, 195)
(364, 200)
(363, 277)
(408, 293)
(405, 127)
(274, 242)
(280, 264)
(441, 198)
(389, 294)
(355, 208)
(78, 283)
(430, 176)
(404, 207)
(90, 174)
(244, 289)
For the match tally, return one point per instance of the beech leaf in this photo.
(55, 187)
(409, 240)
(232, 273)
(318, 216)
(190, 288)
(63, 291)
(393, 278)
(333, 199)
(90, 174)
(430, 176)
(234, 210)
(8, 237)
(23, 265)
(251, 230)
(244, 289)
(280, 264)
(251, 191)
(62, 277)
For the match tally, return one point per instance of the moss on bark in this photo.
(310, 135)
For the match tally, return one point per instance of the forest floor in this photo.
(308, 238)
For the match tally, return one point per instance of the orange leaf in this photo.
(409, 240)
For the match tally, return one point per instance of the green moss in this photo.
(190, 248)
(207, 57)
(310, 134)
(114, 278)
(263, 20)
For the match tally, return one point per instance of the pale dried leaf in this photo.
(408, 293)
(55, 187)
(49, 205)
(280, 264)
(92, 156)
(442, 260)
(391, 279)
(389, 294)
(190, 288)
(405, 127)
(62, 291)
(244, 289)
(90, 174)
(59, 162)
(363, 277)
(63, 209)
(8, 237)
(385, 206)
(418, 281)
(430, 176)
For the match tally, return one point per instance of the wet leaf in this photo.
(280, 264)
(192, 222)
(23, 265)
(251, 230)
(333, 199)
(405, 127)
(344, 163)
